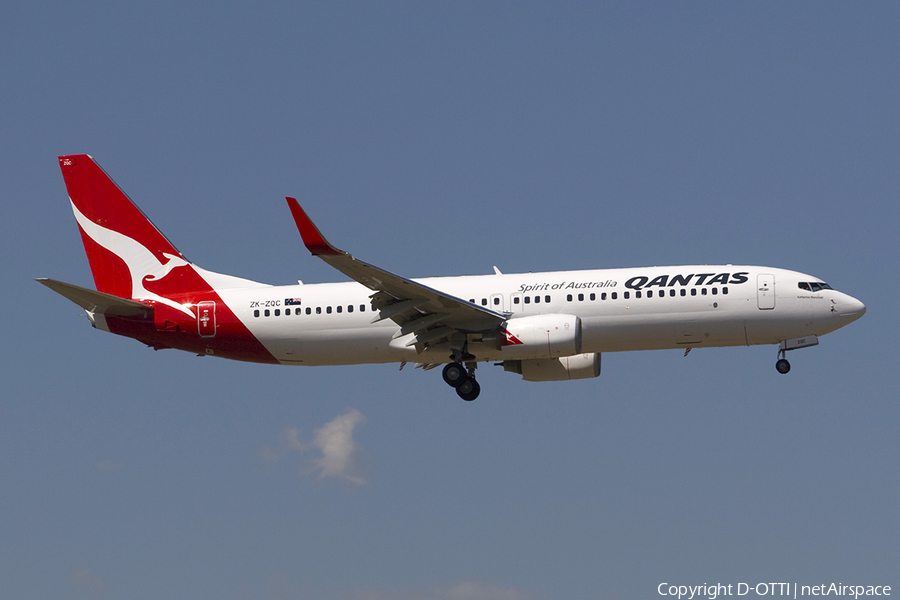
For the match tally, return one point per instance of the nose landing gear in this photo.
(782, 366)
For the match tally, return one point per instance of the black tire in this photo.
(469, 389)
(455, 374)
(782, 366)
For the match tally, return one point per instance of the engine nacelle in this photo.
(538, 336)
(580, 366)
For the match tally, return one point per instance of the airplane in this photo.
(549, 326)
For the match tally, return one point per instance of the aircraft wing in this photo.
(429, 314)
(97, 302)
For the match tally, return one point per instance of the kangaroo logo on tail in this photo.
(142, 264)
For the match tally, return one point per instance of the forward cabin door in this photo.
(206, 319)
(765, 291)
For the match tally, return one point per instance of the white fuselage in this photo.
(620, 309)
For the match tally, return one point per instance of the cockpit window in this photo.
(814, 286)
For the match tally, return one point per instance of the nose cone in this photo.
(850, 309)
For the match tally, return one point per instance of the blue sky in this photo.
(443, 139)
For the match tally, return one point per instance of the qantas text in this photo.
(637, 283)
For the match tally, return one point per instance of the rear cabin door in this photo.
(765, 291)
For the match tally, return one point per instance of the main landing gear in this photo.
(462, 378)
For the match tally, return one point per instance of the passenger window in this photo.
(703, 292)
(255, 313)
(626, 295)
(693, 291)
(496, 301)
(683, 292)
(594, 297)
(602, 296)
(298, 311)
(527, 299)
(267, 312)
(547, 299)
(472, 300)
(308, 310)
(318, 310)
(581, 297)
(649, 293)
(569, 297)
(804, 286)
(277, 312)
(537, 299)
(637, 294)
(724, 290)
(715, 291)
(484, 301)
(672, 293)
(362, 308)
(340, 308)
(328, 309)
(614, 295)
(516, 300)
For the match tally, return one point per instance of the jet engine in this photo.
(538, 336)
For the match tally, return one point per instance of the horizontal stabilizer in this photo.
(97, 302)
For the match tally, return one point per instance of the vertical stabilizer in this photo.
(123, 247)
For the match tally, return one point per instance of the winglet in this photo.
(315, 242)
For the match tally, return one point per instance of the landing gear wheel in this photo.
(455, 374)
(469, 389)
(782, 366)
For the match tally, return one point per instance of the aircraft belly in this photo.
(657, 332)
(339, 347)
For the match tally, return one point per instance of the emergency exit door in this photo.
(206, 319)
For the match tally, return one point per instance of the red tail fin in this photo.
(127, 253)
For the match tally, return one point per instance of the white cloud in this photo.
(341, 456)
(87, 584)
